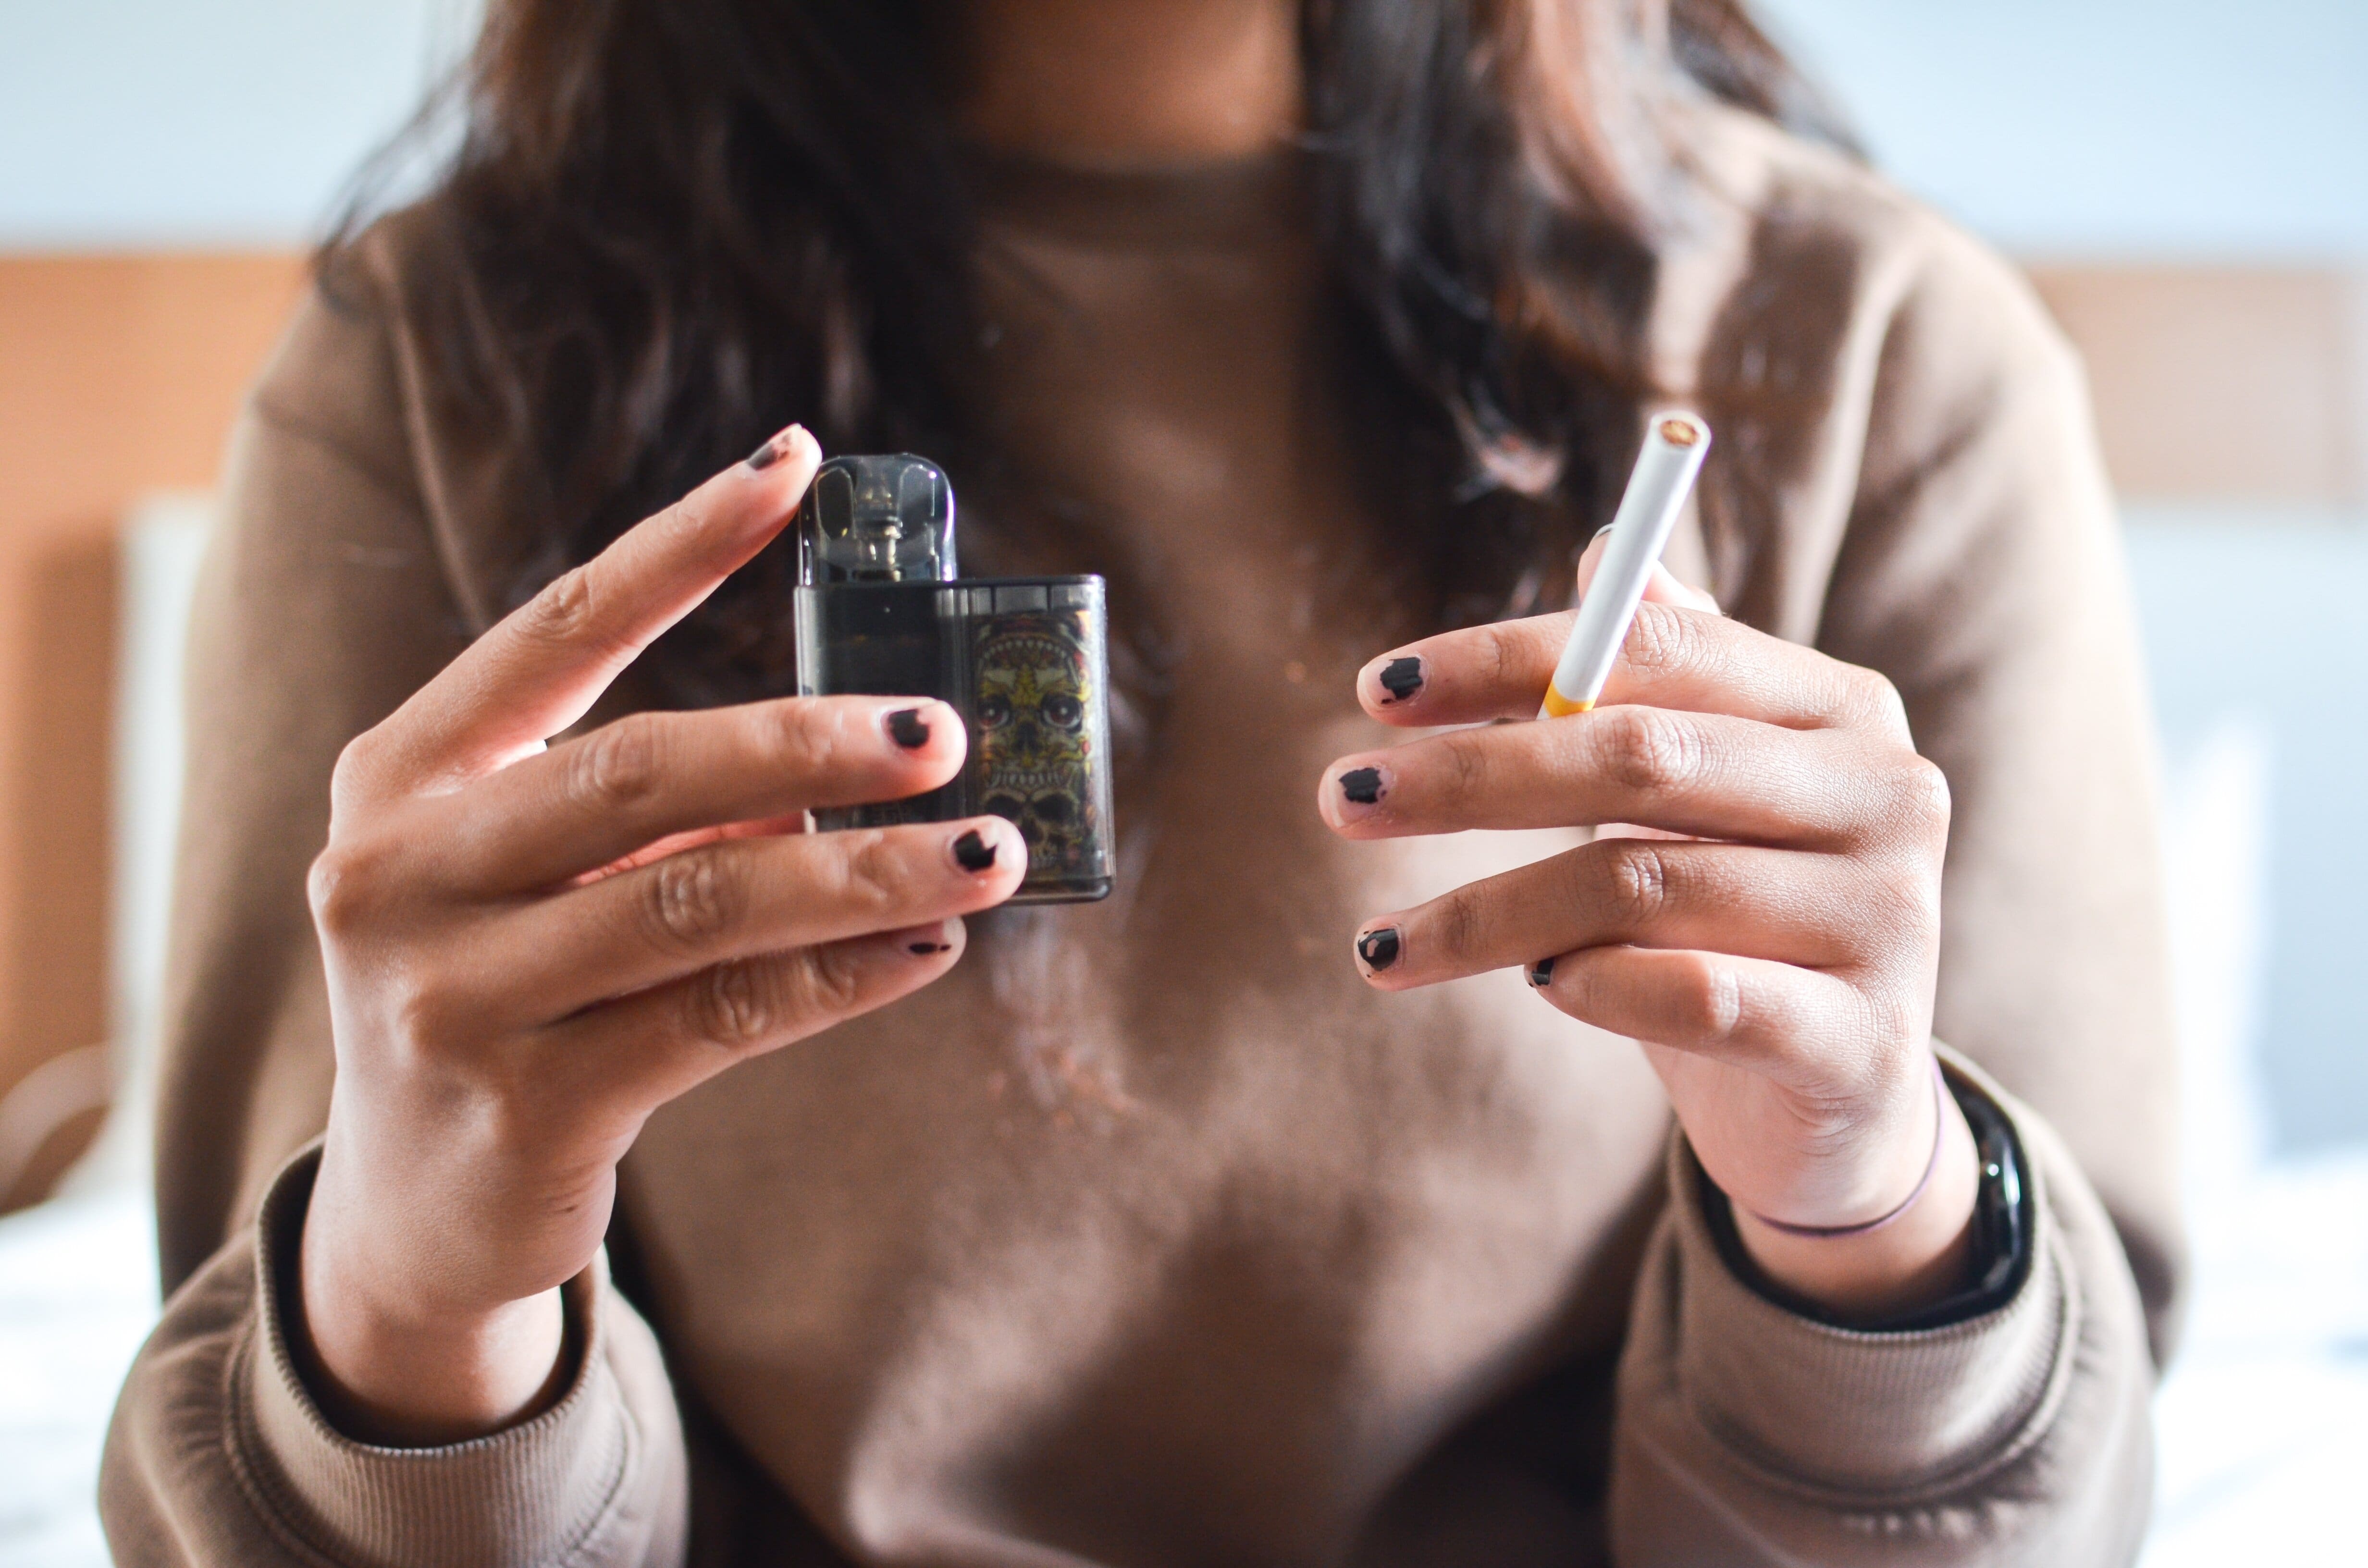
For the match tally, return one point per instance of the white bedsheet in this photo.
(77, 1295)
(2262, 1426)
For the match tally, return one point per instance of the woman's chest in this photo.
(1175, 1127)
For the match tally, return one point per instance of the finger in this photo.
(1820, 911)
(666, 1041)
(1793, 1024)
(602, 797)
(1393, 680)
(699, 837)
(1702, 774)
(543, 666)
(1671, 657)
(740, 898)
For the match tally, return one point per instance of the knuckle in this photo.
(802, 740)
(1633, 882)
(1709, 998)
(1876, 703)
(1923, 801)
(430, 1020)
(1465, 777)
(871, 875)
(828, 982)
(329, 887)
(357, 761)
(346, 885)
(1502, 652)
(1660, 642)
(1456, 924)
(691, 899)
(733, 1006)
(1905, 907)
(618, 766)
(564, 611)
(1647, 750)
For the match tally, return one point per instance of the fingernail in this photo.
(1362, 786)
(1379, 948)
(975, 854)
(1542, 973)
(908, 729)
(776, 449)
(928, 941)
(1402, 677)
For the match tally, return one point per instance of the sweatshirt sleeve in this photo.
(220, 1455)
(1980, 568)
(1750, 1434)
(324, 602)
(1970, 553)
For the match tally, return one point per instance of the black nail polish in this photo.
(908, 729)
(1542, 973)
(1379, 948)
(973, 853)
(1363, 785)
(1402, 677)
(771, 452)
(880, 605)
(926, 949)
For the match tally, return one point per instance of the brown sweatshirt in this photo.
(1150, 1236)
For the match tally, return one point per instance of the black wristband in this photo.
(2002, 1234)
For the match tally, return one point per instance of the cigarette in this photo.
(1674, 446)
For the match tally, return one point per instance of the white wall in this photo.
(168, 123)
(2220, 127)
(2253, 626)
(2175, 128)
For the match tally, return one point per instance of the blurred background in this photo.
(2185, 180)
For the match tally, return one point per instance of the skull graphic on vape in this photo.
(1032, 674)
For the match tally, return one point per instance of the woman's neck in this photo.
(1131, 83)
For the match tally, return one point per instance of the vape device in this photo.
(1024, 660)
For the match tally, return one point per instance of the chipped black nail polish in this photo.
(1402, 677)
(908, 729)
(1542, 973)
(1362, 785)
(1379, 948)
(973, 853)
(929, 950)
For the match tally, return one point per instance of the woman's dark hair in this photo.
(670, 226)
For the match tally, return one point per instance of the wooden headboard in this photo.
(119, 375)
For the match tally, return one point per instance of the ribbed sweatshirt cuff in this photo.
(560, 1488)
(1858, 1415)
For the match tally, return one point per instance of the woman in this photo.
(1262, 1214)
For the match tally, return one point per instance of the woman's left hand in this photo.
(1769, 929)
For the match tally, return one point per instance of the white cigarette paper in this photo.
(1675, 444)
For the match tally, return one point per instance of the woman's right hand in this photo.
(529, 950)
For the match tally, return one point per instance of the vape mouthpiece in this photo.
(877, 519)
